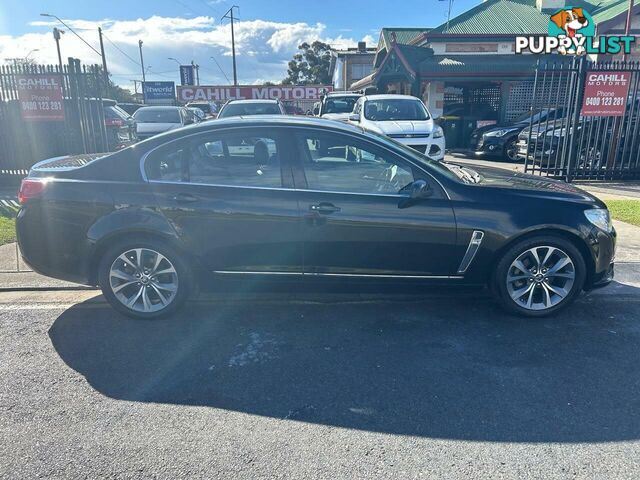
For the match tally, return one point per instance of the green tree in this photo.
(310, 65)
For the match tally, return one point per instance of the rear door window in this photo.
(247, 158)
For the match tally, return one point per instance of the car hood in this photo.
(530, 184)
(343, 117)
(156, 127)
(508, 126)
(403, 126)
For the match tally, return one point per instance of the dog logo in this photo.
(573, 24)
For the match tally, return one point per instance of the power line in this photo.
(72, 31)
(120, 50)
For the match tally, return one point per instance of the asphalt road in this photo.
(320, 386)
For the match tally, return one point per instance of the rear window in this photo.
(205, 107)
(152, 115)
(114, 113)
(238, 109)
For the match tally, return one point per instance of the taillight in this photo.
(113, 122)
(30, 188)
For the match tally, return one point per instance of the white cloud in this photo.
(263, 48)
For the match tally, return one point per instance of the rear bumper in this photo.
(53, 255)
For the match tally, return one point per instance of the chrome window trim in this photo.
(236, 127)
(474, 245)
(321, 274)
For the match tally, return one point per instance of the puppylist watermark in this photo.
(571, 30)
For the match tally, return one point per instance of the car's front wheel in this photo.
(510, 151)
(144, 279)
(539, 276)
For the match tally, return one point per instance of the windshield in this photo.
(420, 158)
(154, 115)
(237, 109)
(395, 109)
(339, 104)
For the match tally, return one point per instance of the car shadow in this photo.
(452, 367)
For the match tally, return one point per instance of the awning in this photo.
(501, 67)
(363, 83)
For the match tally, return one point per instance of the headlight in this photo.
(558, 132)
(438, 132)
(600, 218)
(499, 133)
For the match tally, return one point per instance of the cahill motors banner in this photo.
(251, 92)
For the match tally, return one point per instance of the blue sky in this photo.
(268, 31)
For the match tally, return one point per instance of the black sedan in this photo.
(501, 141)
(301, 198)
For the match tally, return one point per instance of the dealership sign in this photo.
(159, 93)
(252, 92)
(186, 75)
(605, 93)
(40, 97)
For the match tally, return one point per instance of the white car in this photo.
(403, 118)
(338, 106)
(151, 121)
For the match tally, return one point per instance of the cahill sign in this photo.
(251, 92)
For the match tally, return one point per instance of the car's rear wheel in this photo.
(144, 279)
(539, 276)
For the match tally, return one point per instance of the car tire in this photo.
(510, 151)
(161, 278)
(539, 276)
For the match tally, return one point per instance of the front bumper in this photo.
(603, 250)
(487, 146)
(433, 147)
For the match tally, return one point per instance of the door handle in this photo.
(184, 198)
(324, 207)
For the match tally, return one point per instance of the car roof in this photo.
(390, 96)
(159, 107)
(254, 100)
(343, 94)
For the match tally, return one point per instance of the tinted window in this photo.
(157, 115)
(339, 104)
(236, 159)
(238, 109)
(395, 109)
(339, 163)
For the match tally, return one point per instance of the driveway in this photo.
(332, 385)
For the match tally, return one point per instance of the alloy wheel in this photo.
(143, 280)
(540, 278)
(512, 150)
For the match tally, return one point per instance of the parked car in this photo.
(237, 108)
(403, 118)
(196, 114)
(147, 224)
(130, 108)
(121, 127)
(338, 105)
(154, 120)
(292, 109)
(501, 140)
(209, 109)
(594, 139)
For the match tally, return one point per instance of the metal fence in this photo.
(24, 142)
(570, 145)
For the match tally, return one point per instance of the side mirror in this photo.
(354, 117)
(418, 190)
(316, 111)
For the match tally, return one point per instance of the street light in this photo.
(175, 60)
(72, 31)
(34, 50)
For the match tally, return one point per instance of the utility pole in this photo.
(627, 26)
(104, 60)
(196, 71)
(229, 15)
(56, 36)
(144, 78)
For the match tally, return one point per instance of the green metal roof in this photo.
(404, 35)
(518, 17)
